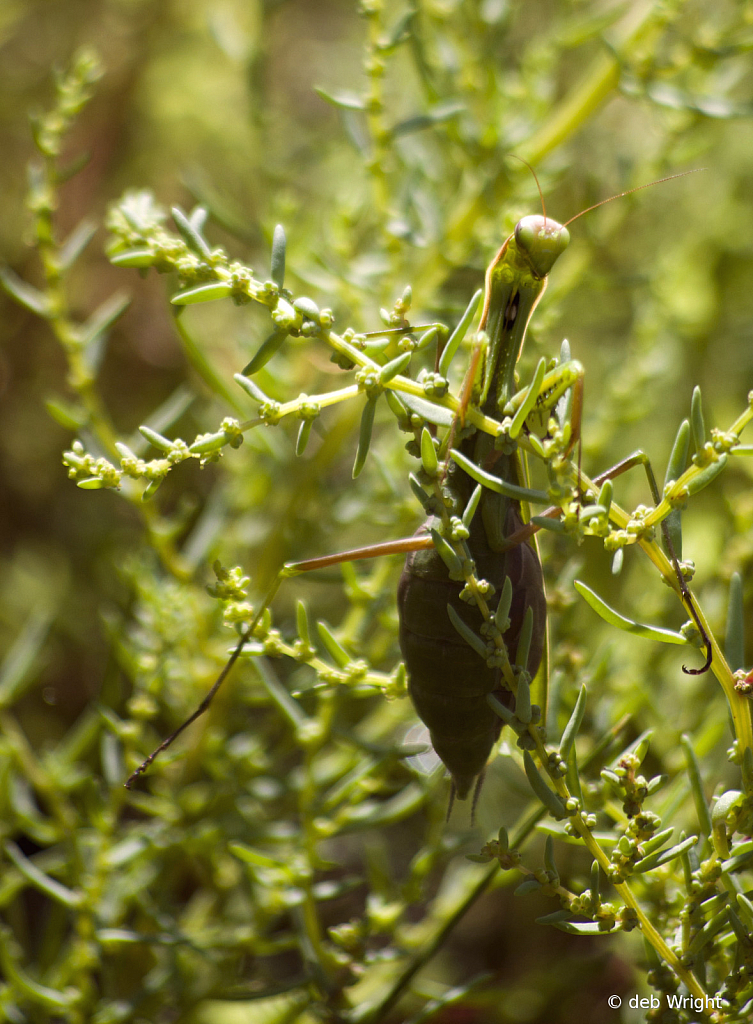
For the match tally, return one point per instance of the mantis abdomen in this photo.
(448, 681)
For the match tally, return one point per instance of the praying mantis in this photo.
(471, 597)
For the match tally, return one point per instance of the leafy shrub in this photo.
(287, 859)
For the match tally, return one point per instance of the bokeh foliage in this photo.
(207, 894)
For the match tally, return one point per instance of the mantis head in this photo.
(541, 240)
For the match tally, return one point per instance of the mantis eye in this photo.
(525, 234)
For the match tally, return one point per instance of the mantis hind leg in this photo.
(401, 546)
(637, 458)
(563, 388)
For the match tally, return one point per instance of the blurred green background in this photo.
(216, 103)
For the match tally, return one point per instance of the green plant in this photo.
(251, 873)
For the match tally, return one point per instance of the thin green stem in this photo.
(626, 894)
